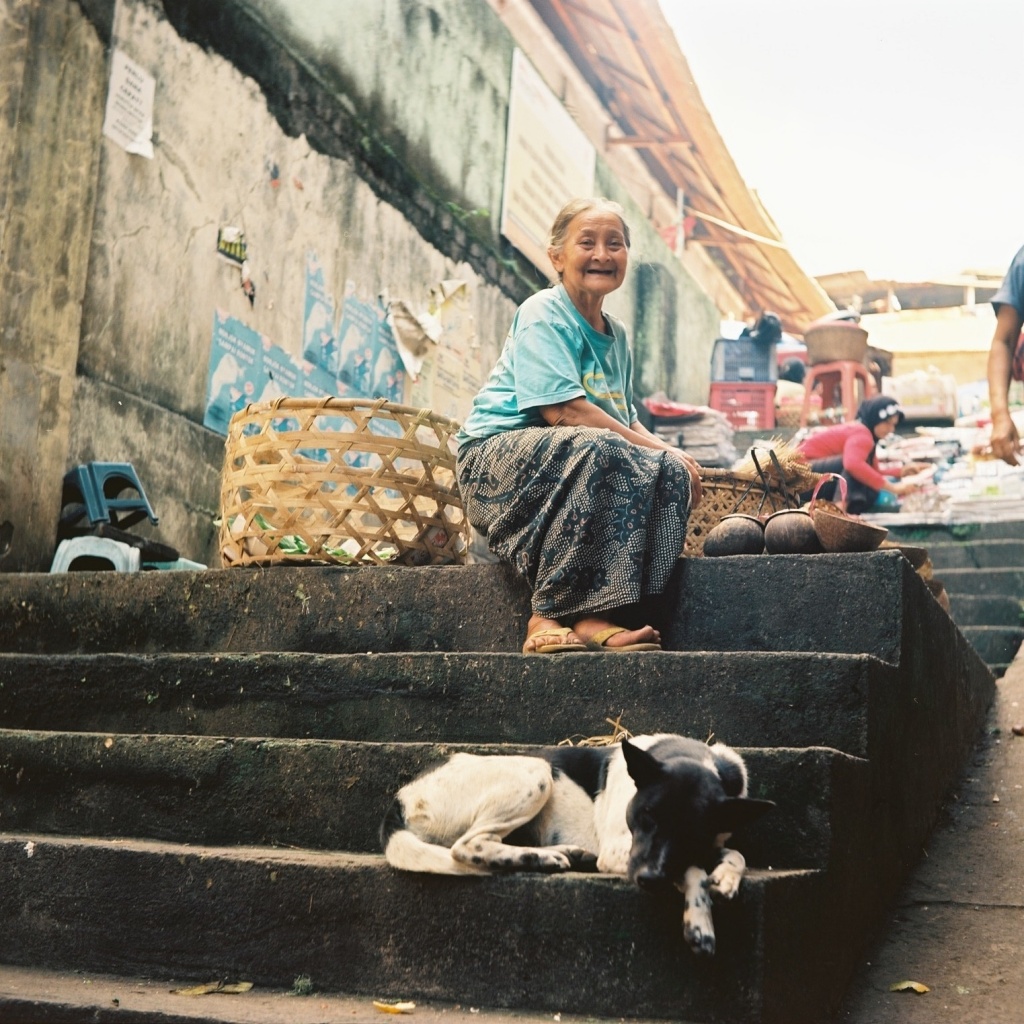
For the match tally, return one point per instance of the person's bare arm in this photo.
(578, 412)
(1005, 441)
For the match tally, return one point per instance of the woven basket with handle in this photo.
(342, 481)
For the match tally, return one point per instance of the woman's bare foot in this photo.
(589, 627)
(546, 636)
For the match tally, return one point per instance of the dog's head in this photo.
(680, 814)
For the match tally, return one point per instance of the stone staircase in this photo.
(981, 567)
(194, 766)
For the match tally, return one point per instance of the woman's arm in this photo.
(856, 453)
(578, 412)
(1005, 441)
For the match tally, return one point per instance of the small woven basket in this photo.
(340, 481)
(839, 531)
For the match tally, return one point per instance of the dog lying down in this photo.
(657, 809)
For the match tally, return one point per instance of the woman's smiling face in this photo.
(592, 262)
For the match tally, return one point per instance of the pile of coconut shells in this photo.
(806, 530)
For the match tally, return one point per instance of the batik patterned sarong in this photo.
(590, 521)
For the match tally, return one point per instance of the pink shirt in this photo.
(855, 442)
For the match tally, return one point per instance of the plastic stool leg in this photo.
(122, 557)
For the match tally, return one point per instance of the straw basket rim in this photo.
(827, 343)
(323, 481)
(839, 532)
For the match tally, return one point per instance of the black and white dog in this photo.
(656, 809)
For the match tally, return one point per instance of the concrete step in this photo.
(770, 603)
(745, 699)
(996, 645)
(980, 554)
(333, 795)
(1007, 582)
(928, 534)
(983, 610)
(30, 995)
(351, 924)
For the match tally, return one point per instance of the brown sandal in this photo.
(557, 643)
(599, 642)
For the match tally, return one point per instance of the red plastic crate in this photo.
(746, 406)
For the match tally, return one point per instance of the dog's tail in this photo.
(407, 852)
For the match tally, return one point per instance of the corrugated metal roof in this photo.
(629, 56)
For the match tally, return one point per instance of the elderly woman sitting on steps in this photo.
(572, 491)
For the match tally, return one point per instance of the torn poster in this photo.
(129, 115)
(414, 333)
(452, 370)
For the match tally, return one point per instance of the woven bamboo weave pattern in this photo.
(344, 481)
(723, 492)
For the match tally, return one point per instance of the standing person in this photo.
(1008, 304)
(849, 449)
(588, 506)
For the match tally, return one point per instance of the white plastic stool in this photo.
(122, 557)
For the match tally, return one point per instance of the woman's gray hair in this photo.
(574, 208)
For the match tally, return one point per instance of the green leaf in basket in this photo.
(292, 545)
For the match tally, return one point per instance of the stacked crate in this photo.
(743, 375)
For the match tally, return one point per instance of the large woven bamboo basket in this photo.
(836, 342)
(340, 481)
(743, 489)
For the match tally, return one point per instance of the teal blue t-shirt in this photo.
(552, 355)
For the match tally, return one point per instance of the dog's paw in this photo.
(724, 881)
(579, 858)
(698, 927)
(699, 934)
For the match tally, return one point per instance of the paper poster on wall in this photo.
(246, 366)
(360, 349)
(548, 161)
(368, 359)
(319, 345)
(128, 118)
(452, 371)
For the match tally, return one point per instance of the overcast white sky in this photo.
(883, 135)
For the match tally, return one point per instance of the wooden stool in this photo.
(845, 380)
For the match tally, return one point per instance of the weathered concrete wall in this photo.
(372, 134)
(52, 78)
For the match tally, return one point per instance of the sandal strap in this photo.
(602, 635)
(562, 631)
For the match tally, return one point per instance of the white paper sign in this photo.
(129, 116)
(548, 161)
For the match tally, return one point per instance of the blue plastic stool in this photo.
(98, 487)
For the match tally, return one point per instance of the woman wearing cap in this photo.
(849, 449)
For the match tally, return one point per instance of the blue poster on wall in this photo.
(246, 366)
(359, 350)
(319, 345)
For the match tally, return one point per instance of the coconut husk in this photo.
(797, 474)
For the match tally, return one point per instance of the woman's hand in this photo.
(693, 467)
(1005, 441)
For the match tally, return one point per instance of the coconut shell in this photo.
(791, 532)
(735, 534)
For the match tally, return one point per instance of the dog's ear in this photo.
(736, 811)
(642, 767)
